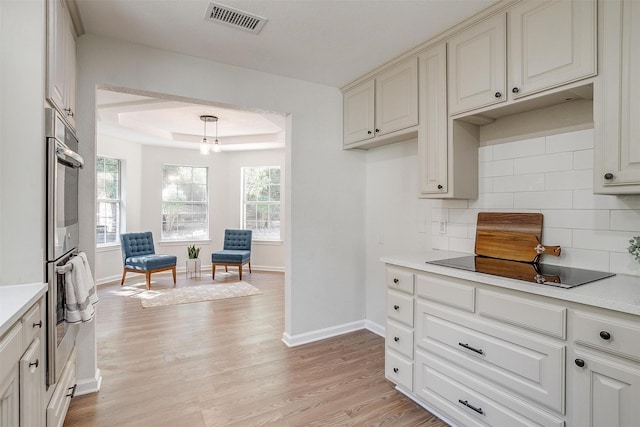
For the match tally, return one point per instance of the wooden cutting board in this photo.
(512, 269)
(530, 223)
(512, 246)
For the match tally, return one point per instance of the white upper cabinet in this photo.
(477, 65)
(61, 59)
(616, 123)
(375, 110)
(550, 43)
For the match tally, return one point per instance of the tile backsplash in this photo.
(552, 175)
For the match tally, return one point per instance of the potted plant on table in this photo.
(193, 262)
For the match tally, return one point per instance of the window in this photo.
(261, 201)
(184, 203)
(108, 201)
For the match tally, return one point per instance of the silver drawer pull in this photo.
(470, 406)
(468, 347)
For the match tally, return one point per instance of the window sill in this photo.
(184, 242)
(267, 242)
(108, 248)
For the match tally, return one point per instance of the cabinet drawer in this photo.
(398, 369)
(545, 318)
(65, 388)
(11, 348)
(470, 401)
(400, 339)
(604, 333)
(32, 323)
(524, 363)
(400, 307)
(400, 280)
(453, 292)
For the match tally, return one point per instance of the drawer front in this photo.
(400, 307)
(548, 319)
(604, 333)
(11, 348)
(470, 401)
(65, 388)
(398, 370)
(400, 280)
(526, 364)
(32, 323)
(400, 339)
(452, 292)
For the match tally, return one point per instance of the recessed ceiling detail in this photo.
(217, 12)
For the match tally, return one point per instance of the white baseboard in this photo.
(321, 334)
(89, 385)
(375, 328)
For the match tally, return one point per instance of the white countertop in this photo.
(619, 293)
(15, 300)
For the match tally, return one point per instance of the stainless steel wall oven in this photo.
(63, 165)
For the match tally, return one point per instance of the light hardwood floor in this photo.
(221, 363)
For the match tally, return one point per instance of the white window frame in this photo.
(257, 236)
(204, 235)
(117, 202)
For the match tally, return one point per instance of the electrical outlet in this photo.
(443, 227)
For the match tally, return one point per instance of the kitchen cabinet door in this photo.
(397, 98)
(32, 383)
(551, 42)
(432, 143)
(10, 400)
(359, 114)
(606, 390)
(617, 101)
(477, 65)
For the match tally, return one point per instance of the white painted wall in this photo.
(325, 186)
(552, 175)
(397, 220)
(22, 143)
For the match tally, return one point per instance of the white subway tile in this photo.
(601, 240)
(485, 153)
(583, 159)
(582, 219)
(581, 258)
(504, 184)
(496, 168)
(522, 148)
(624, 264)
(493, 200)
(570, 141)
(455, 204)
(438, 214)
(585, 199)
(569, 180)
(466, 216)
(471, 231)
(556, 162)
(557, 237)
(440, 242)
(626, 220)
(543, 200)
(456, 229)
(485, 185)
(462, 245)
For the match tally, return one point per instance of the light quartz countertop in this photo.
(620, 292)
(15, 300)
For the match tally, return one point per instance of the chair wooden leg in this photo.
(249, 266)
(124, 274)
(226, 268)
(148, 274)
(173, 270)
(213, 272)
(240, 271)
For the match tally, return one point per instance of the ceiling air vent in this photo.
(217, 12)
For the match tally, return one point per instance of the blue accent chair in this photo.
(236, 251)
(139, 256)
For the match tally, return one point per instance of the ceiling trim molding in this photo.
(75, 17)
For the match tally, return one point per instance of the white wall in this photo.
(325, 188)
(552, 175)
(397, 220)
(22, 143)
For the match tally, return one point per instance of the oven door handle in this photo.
(69, 157)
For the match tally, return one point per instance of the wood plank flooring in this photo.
(222, 363)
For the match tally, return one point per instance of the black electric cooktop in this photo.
(544, 274)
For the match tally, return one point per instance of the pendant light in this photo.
(216, 144)
(205, 144)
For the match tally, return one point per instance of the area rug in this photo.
(198, 293)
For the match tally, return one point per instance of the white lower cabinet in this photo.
(65, 390)
(482, 355)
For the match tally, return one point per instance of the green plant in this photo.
(193, 251)
(634, 249)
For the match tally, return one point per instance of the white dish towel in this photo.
(80, 291)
